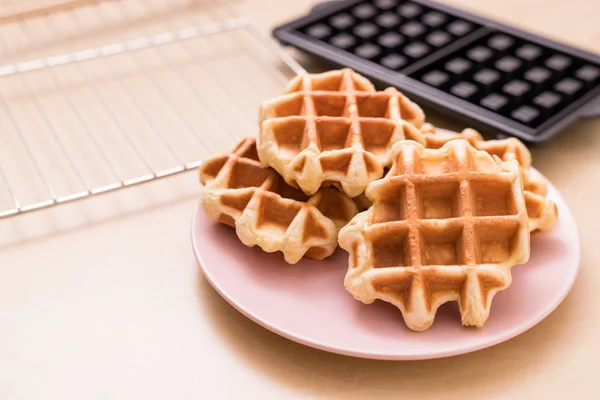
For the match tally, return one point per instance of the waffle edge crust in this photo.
(446, 225)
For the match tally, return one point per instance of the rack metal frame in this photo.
(233, 24)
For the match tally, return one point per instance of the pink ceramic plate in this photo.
(307, 302)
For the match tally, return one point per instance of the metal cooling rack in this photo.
(96, 96)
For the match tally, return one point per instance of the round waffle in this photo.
(265, 211)
(446, 225)
(335, 129)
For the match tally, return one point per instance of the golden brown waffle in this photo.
(333, 128)
(428, 128)
(265, 211)
(543, 213)
(446, 225)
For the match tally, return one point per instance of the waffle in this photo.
(240, 192)
(334, 129)
(543, 213)
(427, 128)
(446, 225)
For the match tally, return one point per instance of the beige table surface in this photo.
(103, 299)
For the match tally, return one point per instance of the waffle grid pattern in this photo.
(333, 128)
(239, 191)
(446, 225)
(543, 214)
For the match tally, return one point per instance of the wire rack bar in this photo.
(94, 192)
(197, 93)
(195, 73)
(88, 131)
(285, 57)
(27, 147)
(46, 9)
(122, 47)
(44, 116)
(15, 201)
